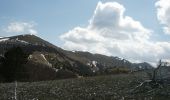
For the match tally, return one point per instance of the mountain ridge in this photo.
(62, 61)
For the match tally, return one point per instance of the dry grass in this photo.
(111, 87)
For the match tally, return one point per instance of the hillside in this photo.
(45, 57)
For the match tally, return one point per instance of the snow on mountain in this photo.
(22, 41)
(93, 65)
(3, 39)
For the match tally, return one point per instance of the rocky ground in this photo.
(112, 87)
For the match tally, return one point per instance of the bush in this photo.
(117, 71)
(12, 67)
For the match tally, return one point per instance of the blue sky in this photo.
(53, 19)
(58, 16)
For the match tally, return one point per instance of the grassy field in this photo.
(111, 87)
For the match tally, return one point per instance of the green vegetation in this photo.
(120, 70)
(12, 66)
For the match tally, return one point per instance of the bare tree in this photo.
(156, 70)
(160, 64)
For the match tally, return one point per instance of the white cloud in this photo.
(21, 28)
(110, 32)
(163, 14)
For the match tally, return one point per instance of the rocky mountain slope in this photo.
(45, 56)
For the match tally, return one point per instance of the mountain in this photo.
(47, 61)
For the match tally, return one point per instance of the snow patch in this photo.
(124, 60)
(93, 65)
(140, 67)
(118, 58)
(42, 55)
(23, 41)
(73, 51)
(3, 39)
(30, 57)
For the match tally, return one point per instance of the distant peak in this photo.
(30, 34)
(27, 35)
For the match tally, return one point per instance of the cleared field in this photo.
(112, 87)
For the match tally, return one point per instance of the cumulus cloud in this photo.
(20, 28)
(111, 32)
(163, 14)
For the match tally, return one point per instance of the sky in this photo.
(137, 30)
